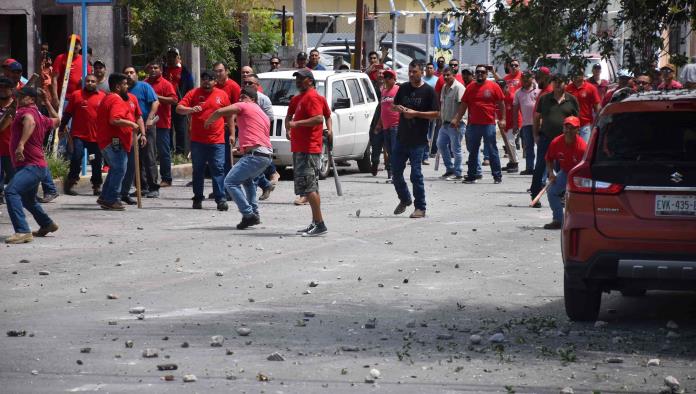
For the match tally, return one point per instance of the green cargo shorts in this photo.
(306, 172)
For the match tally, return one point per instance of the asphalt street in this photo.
(393, 307)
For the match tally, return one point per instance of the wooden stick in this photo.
(538, 196)
(64, 88)
(136, 155)
(510, 148)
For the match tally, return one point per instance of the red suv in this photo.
(630, 216)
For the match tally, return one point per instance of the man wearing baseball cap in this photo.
(668, 81)
(182, 79)
(59, 68)
(567, 150)
(387, 123)
(301, 60)
(13, 69)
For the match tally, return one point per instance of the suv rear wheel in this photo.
(364, 164)
(324, 166)
(581, 304)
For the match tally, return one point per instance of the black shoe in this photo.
(470, 180)
(497, 180)
(128, 200)
(152, 194)
(401, 208)
(317, 230)
(374, 169)
(197, 204)
(222, 206)
(306, 229)
(527, 172)
(96, 190)
(513, 169)
(554, 225)
(211, 196)
(478, 177)
(446, 174)
(537, 205)
(248, 222)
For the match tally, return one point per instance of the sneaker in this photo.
(537, 205)
(425, 163)
(446, 175)
(554, 225)
(512, 168)
(317, 230)
(47, 198)
(401, 208)
(248, 222)
(486, 163)
(165, 184)
(417, 214)
(454, 178)
(306, 229)
(19, 238)
(115, 206)
(275, 177)
(96, 190)
(68, 188)
(100, 200)
(222, 206)
(211, 196)
(498, 180)
(152, 194)
(478, 177)
(266, 193)
(189, 184)
(43, 231)
(470, 180)
(197, 204)
(527, 172)
(374, 169)
(301, 200)
(128, 200)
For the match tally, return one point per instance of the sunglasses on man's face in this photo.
(249, 83)
(454, 65)
(514, 65)
(643, 82)
(481, 71)
(275, 63)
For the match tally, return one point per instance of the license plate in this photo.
(672, 205)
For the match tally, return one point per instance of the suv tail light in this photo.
(580, 181)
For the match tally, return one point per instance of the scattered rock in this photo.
(262, 377)
(615, 360)
(371, 323)
(313, 284)
(217, 341)
(375, 374)
(306, 292)
(79, 362)
(190, 378)
(456, 266)
(497, 338)
(168, 378)
(24, 261)
(309, 314)
(672, 325)
(406, 280)
(44, 273)
(275, 356)
(112, 296)
(445, 337)
(600, 324)
(350, 348)
(136, 310)
(654, 362)
(672, 383)
(617, 340)
(229, 352)
(243, 331)
(129, 344)
(112, 323)
(141, 316)
(567, 390)
(16, 333)
(219, 273)
(83, 290)
(357, 213)
(185, 345)
(150, 353)
(167, 367)
(411, 324)
(34, 372)
(475, 339)
(86, 350)
(269, 285)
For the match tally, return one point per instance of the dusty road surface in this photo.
(468, 299)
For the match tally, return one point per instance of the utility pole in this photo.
(360, 17)
(299, 13)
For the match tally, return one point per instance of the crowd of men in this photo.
(115, 118)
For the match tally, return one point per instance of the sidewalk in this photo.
(85, 187)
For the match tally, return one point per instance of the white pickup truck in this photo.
(352, 100)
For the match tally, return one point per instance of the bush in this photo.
(180, 159)
(58, 166)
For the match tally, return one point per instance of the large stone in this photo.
(243, 331)
(190, 378)
(137, 310)
(167, 367)
(672, 383)
(654, 362)
(275, 356)
(217, 340)
(567, 390)
(150, 353)
(475, 339)
(497, 338)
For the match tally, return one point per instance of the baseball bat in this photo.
(136, 155)
(538, 196)
(64, 88)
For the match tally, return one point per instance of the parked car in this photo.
(630, 216)
(402, 61)
(560, 65)
(352, 99)
(410, 49)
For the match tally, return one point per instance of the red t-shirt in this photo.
(82, 106)
(5, 137)
(441, 82)
(59, 66)
(209, 102)
(232, 89)
(601, 86)
(304, 106)
(387, 117)
(568, 156)
(587, 96)
(508, 100)
(672, 85)
(114, 107)
(33, 148)
(163, 88)
(173, 75)
(513, 82)
(482, 101)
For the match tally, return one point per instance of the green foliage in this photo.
(58, 166)
(264, 32)
(180, 159)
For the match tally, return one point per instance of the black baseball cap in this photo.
(304, 73)
(250, 91)
(173, 50)
(99, 61)
(302, 55)
(28, 91)
(205, 74)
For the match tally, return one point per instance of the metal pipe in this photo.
(394, 32)
(428, 36)
(326, 29)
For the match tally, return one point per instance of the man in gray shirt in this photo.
(102, 79)
(449, 139)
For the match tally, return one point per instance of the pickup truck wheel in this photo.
(324, 167)
(364, 164)
(581, 304)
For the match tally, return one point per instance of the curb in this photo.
(85, 187)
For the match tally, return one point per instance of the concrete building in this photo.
(26, 24)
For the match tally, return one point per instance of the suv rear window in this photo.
(636, 137)
(280, 91)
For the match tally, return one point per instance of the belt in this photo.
(257, 153)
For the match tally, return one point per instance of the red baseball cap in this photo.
(77, 38)
(545, 70)
(390, 72)
(8, 61)
(572, 120)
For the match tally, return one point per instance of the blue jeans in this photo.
(130, 173)
(384, 139)
(21, 193)
(7, 171)
(240, 184)
(399, 156)
(448, 139)
(117, 159)
(164, 151)
(539, 177)
(228, 151)
(212, 155)
(528, 142)
(554, 193)
(585, 132)
(76, 157)
(47, 184)
(475, 134)
(433, 137)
